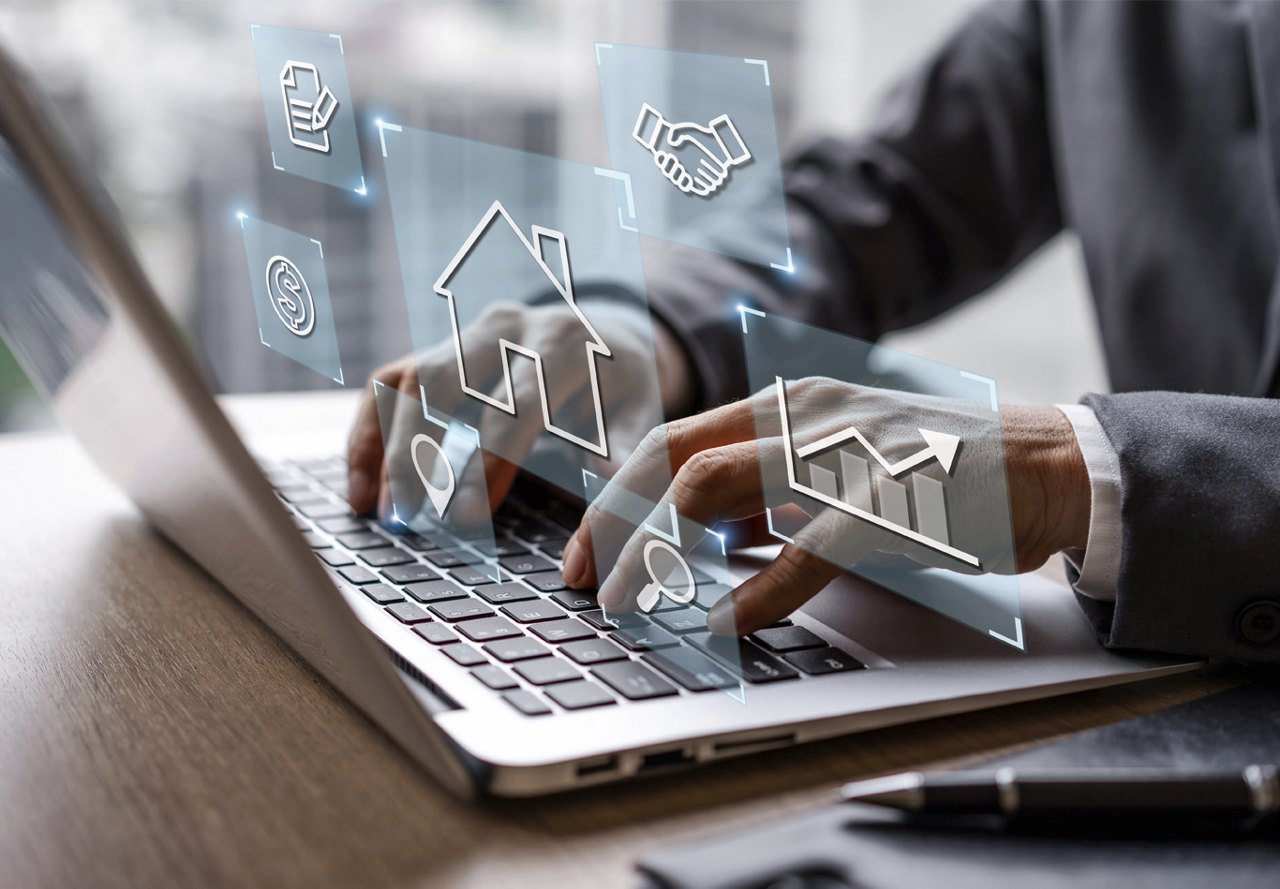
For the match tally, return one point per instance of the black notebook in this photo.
(870, 848)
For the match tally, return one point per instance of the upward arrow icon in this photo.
(549, 252)
(940, 445)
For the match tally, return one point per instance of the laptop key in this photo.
(553, 548)
(576, 600)
(746, 658)
(407, 612)
(362, 540)
(464, 655)
(435, 591)
(609, 622)
(530, 612)
(546, 671)
(385, 556)
(341, 525)
(787, 639)
(633, 680)
(494, 677)
(436, 634)
(820, 661)
(685, 620)
(499, 593)
(520, 649)
(357, 575)
(381, 593)
(546, 582)
(593, 651)
(579, 695)
(645, 638)
(488, 628)
(414, 572)
(418, 543)
(443, 558)
(335, 558)
(460, 609)
(472, 575)
(692, 669)
(505, 546)
(324, 510)
(708, 594)
(558, 631)
(316, 541)
(528, 563)
(526, 702)
(538, 536)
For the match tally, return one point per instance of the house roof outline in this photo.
(563, 284)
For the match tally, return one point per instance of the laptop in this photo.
(515, 687)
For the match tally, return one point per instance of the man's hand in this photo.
(716, 460)
(628, 390)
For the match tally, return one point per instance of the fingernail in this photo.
(611, 596)
(720, 619)
(575, 562)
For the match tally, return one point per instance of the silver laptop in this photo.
(514, 688)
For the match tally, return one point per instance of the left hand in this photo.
(716, 460)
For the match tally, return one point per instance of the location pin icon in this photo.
(440, 495)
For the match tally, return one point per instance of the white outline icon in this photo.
(563, 284)
(440, 496)
(721, 144)
(940, 445)
(655, 589)
(290, 296)
(302, 115)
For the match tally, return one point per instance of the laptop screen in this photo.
(51, 312)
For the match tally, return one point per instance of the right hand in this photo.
(631, 393)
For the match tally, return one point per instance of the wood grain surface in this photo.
(153, 733)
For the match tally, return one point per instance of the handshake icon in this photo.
(694, 158)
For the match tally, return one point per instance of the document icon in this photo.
(309, 105)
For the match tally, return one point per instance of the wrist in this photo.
(1049, 494)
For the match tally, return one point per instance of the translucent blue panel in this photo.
(670, 571)
(505, 256)
(311, 122)
(889, 464)
(432, 461)
(291, 296)
(695, 135)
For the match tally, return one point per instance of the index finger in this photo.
(364, 446)
(648, 474)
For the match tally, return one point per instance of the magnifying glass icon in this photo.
(682, 590)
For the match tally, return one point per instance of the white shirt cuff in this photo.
(1099, 562)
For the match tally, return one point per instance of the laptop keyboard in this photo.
(539, 645)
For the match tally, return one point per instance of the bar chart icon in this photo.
(891, 502)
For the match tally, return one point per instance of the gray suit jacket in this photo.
(1153, 131)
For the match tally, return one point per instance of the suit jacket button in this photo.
(1259, 623)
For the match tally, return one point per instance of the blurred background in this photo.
(161, 98)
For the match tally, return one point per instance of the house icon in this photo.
(548, 251)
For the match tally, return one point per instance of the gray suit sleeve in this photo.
(1200, 509)
(952, 186)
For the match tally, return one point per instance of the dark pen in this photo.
(1253, 792)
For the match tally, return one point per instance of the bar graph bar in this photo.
(823, 481)
(857, 481)
(931, 507)
(893, 502)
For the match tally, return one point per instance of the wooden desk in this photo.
(153, 733)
